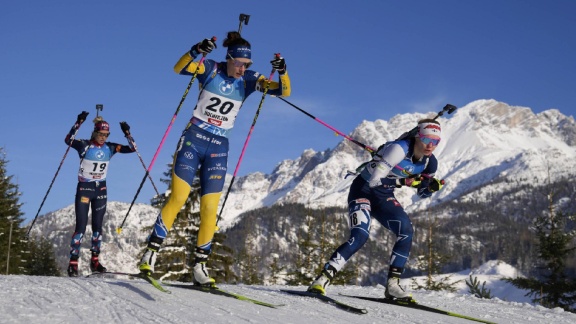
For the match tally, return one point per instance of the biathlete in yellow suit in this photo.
(204, 143)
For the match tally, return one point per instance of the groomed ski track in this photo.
(30, 299)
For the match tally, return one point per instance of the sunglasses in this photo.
(102, 134)
(239, 64)
(427, 140)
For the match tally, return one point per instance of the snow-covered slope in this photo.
(27, 299)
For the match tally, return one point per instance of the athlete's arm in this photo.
(384, 161)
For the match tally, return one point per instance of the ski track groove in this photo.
(155, 315)
(239, 306)
(30, 299)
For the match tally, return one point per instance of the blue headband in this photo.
(239, 51)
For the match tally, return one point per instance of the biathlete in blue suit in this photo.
(204, 143)
(91, 191)
(404, 162)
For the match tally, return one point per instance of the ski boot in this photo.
(73, 266)
(319, 285)
(199, 270)
(395, 291)
(146, 265)
(95, 265)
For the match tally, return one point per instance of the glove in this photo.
(82, 117)
(410, 182)
(279, 64)
(206, 46)
(125, 128)
(435, 185)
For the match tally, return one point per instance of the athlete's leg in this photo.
(212, 177)
(98, 212)
(84, 194)
(359, 220)
(186, 162)
(390, 214)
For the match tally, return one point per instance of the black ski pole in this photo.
(119, 229)
(99, 107)
(243, 19)
(53, 179)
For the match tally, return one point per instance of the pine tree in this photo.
(42, 261)
(432, 263)
(277, 271)
(306, 266)
(552, 286)
(248, 263)
(221, 260)
(13, 243)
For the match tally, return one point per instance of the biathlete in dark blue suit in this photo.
(91, 191)
(204, 143)
(405, 162)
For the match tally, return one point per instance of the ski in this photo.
(328, 300)
(143, 276)
(415, 305)
(217, 291)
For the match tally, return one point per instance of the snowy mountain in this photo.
(33, 299)
(482, 142)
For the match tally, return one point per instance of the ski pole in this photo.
(133, 143)
(53, 179)
(243, 19)
(119, 229)
(266, 87)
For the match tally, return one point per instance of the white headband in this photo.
(429, 129)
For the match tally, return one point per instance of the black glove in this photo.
(82, 117)
(435, 185)
(125, 128)
(206, 46)
(279, 64)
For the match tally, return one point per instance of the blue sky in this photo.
(349, 61)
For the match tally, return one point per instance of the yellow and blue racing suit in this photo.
(204, 143)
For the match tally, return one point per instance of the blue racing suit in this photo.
(91, 190)
(393, 161)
